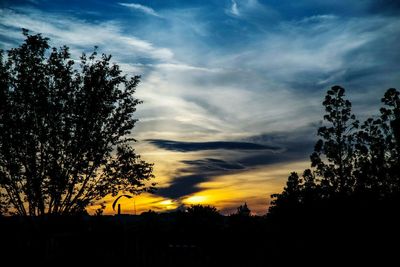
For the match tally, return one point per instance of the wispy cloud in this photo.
(82, 34)
(234, 8)
(145, 9)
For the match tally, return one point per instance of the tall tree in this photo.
(65, 130)
(390, 116)
(333, 153)
(378, 149)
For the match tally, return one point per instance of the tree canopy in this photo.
(65, 130)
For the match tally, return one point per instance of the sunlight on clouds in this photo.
(254, 186)
(227, 110)
(167, 202)
(196, 199)
(226, 192)
(167, 205)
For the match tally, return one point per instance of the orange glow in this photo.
(195, 200)
(226, 192)
(168, 204)
(254, 187)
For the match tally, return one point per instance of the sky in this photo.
(232, 89)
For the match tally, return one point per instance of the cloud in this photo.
(145, 9)
(215, 164)
(80, 34)
(212, 145)
(188, 179)
(295, 146)
(234, 8)
(270, 78)
(182, 186)
(252, 12)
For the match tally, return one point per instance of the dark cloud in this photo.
(201, 170)
(214, 164)
(214, 145)
(182, 186)
(295, 145)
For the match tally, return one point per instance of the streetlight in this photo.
(119, 205)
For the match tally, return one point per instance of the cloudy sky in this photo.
(232, 89)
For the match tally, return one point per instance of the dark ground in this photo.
(177, 239)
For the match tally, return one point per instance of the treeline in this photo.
(355, 165)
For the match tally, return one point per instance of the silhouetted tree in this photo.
(243, 210)
(333, 153)
(65, 130)
(349, 161)
(377, 148)
(99, 211)
(390, 115)
(290, 198)
(202, 211)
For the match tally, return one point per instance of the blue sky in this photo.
(219, 72)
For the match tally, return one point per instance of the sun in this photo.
(195, 200)
(168, 204)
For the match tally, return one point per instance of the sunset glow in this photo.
(195, 200)
(231, 90)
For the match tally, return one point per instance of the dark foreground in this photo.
(177, 239)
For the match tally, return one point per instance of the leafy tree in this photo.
(336, 144)
(65, 130)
